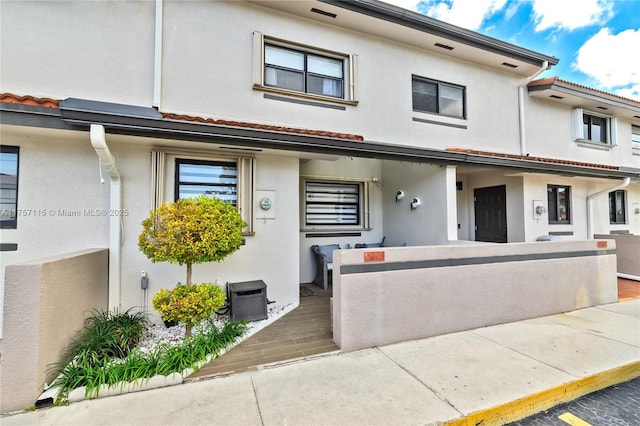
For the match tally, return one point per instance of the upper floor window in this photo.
(635, 137)
(593, 127)
(437, 97)
(303, 71)
(292, 69)
(216, 179)
(617, 207)
(559, 201)
(9, 159)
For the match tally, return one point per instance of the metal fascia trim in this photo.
(423, 23)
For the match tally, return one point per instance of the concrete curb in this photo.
(532, 404)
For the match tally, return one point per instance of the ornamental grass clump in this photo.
(194, 230)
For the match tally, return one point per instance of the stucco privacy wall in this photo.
(627, 253)
(46, 303)
(417, 292)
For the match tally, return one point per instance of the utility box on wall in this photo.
(248, 300)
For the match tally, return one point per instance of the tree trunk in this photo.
(188, 274)
(187, 331)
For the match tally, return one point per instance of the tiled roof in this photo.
(258, 126)
(536, 159)
(53, 103)
(29, 100)
(553, 80)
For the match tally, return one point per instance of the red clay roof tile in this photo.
(552, 80)
(29, 100)
(53, 103)
(529, 158)
(269, 127)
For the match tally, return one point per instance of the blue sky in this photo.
(597, 41)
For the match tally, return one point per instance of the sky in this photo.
(596, 41)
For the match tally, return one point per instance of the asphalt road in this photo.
(616, 405)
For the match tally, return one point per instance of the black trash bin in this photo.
(247, 300)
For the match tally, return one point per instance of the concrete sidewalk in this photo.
(496, 374)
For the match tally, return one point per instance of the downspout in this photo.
(523, 143)
(157, 59)
(590, 198)
(107, 161)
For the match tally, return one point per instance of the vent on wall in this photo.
(323, 12)
(601, 107)
(443, 46)
(507, 64)
(556, 97)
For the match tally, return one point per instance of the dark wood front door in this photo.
(491, 214)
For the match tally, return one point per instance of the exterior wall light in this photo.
(415, 203)
(399, 195)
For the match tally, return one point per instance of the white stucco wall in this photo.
(58, 180)
(383, 81)
(427, 224)
(549, 134)
(96, 50)
(264, 255)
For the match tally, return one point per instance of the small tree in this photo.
(195, 230)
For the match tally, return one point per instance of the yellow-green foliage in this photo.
(188, 304)
(194, 230)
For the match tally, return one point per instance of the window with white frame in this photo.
(617, 207)
(178, 174)
(438, 97)
(594, 127)
(9, 158)
(303, 71)
(559, 204)
(334, 204)
(635, 136)
(294, 69)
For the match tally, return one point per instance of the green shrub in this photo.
(188, 304)
(193, 230)
(108, 335)
(137, 366)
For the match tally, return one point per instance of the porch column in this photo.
(452, 205)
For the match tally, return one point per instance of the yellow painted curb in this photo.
(532, 404)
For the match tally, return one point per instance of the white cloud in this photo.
(570, 14)
(406, 4)
(464, 13)
(608, 59)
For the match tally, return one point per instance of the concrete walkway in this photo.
(496, 374)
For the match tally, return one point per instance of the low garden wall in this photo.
(388, 295)
(628, 254)
(45, 303)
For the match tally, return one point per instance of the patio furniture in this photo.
(367, 245)
(323, 257)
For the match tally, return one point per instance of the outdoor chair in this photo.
(367, 245)
(323, 257)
